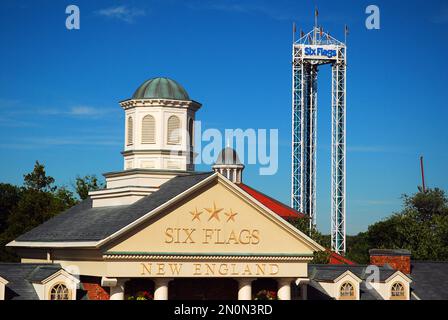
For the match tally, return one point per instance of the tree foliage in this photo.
(86, 184)
(23, 208)
(303, 224)
(38, 179)
(421, 227)
(9, 197)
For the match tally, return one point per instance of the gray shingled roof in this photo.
(42, 272)
(368, 294)
(20, 277)
(329, 272)
(430, 280)
(84, 223)
(317, 292)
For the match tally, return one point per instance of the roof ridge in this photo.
(95, 224)
(272, 199)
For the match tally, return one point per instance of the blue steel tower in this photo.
(312, 50)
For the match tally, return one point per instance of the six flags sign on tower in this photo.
(320, 52)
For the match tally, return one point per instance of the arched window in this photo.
(347, 291)
(148, 129)
(60, 292)
(173, 130)
(130, 131)
(190, 132)
(397, 291)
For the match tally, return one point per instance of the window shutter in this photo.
(173, 130)
(149, 129)
(130, 131)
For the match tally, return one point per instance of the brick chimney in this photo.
(398, 259)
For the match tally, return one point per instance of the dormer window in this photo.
(59, 292)
(397, 291)
(347, 291)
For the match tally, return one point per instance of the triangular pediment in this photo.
(215, 218)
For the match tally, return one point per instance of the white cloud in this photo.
(377, 202)
(441, 16)
(8, 103)
(85, 111)
(77, 111)
(376, 149)
(250, 7)
(41, 142)
(12, 123)
(123, 13)
(368, 149)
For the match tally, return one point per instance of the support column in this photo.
(302, 284)
(284, 288)
(161, 288)
(117, 291)
(245, 288)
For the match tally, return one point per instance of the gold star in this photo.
(231, 215)
(214, 212)
(196, 214)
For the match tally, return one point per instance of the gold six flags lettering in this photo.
(176, 235)
(212, 236)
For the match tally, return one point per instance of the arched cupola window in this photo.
(130, 139)
(148, 129)
(173, 130)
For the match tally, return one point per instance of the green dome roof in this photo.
(161, 88)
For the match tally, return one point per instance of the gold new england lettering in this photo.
(209, 269)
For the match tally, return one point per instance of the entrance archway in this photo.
(203, 289)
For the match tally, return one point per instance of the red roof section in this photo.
(338, 259)
(287, 212)
(279, 208)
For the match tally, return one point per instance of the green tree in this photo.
(358, 248)
(421, 227)
(65, 198)
(303, 224)
(38, 179)
(37, 202)
(427, 205)
(86, 184)
(9, 197)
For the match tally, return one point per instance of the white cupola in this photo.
(158, 142)
(159, 127)
(229, 165)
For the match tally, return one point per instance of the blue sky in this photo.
(59, 89)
